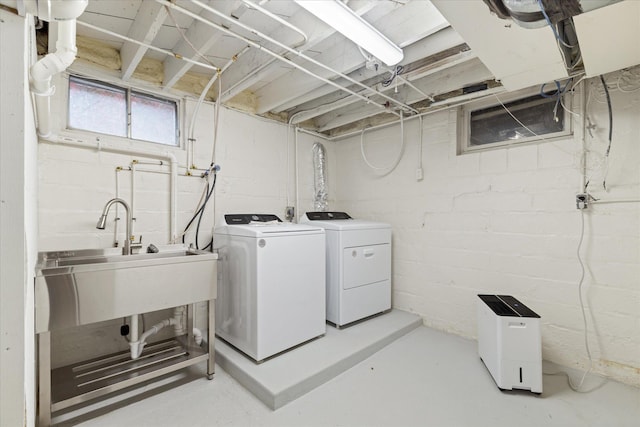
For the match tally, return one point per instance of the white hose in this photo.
(390, 168)
(216, 76)
(216, 122)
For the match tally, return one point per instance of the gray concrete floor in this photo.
(425, 378)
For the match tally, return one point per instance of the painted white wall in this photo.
(75, 184)
(504, 221)
(18, 225)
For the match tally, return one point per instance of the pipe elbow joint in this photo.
(66, 57)
(52, 64)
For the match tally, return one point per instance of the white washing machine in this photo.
(358, 266)
(271, 283)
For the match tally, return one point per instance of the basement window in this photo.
(488, 124)
(108, 109)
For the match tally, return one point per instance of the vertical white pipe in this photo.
(115, 226)
(133, 328)
(43, 70)
(297, 177)
(65, 14)
(173, 195)
(583, 178)
(133, 198)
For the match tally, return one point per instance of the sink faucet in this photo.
(126, 249)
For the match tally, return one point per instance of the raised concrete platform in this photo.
(288, 376)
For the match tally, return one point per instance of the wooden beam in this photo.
(144, 28)
(203, 38)
(262, 67)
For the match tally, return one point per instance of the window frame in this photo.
(464, 122)
(129, 90)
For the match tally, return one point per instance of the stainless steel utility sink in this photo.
(79, 287)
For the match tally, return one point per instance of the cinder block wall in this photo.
(500, 221)
(76, 183)
(504, 221)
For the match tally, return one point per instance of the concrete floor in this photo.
(425, 378)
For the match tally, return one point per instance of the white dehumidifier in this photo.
(509, 342)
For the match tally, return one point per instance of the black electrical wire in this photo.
(606, 92)
(208, 244)
(209, 193)
(396, 71)
(200, 210)
(560, 91)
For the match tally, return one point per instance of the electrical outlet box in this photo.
(290, 213)
(582, 201)
(419, 174)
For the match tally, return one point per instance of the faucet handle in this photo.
(134, 244)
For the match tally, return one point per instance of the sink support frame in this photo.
(117, 371)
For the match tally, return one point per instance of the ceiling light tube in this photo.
(344, 20)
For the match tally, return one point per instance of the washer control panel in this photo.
(327, 216)
(250, 218)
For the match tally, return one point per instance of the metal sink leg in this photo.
(44, 379)
(211, 332)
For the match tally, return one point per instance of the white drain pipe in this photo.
(65, 14)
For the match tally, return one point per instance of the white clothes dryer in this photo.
(271, 281)
(358, 266)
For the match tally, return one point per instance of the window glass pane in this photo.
(494, 124)
(153, 119)
(97, 107)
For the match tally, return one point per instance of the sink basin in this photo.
(47, 260)
(79, 287)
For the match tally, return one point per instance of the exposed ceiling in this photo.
(278, 60)
(288, 75)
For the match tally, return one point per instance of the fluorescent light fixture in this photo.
(339, 16)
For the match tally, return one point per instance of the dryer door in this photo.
(364, 265)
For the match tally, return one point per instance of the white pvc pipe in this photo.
(297, 176)
(284, 22)
(241, 84)
(173, 196)
(52, 64)
(439, 108)
(133, 331)
(599, 201)
(178, 314)
(148, 46)
(138, 345)
(115, 225)
(287, 48)
(280, 57)
(197, 336)
(133, 198)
